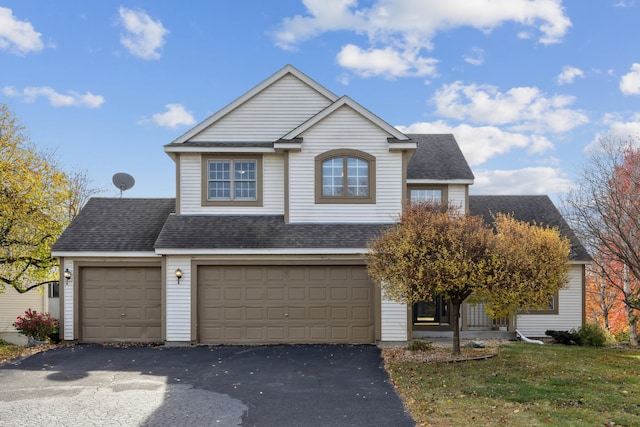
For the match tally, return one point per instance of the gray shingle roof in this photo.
(529, 209)
(260, 232)
(112, 224)
(437, 157)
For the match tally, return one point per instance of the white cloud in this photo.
(617, 127)
(176, 115)
(386, 62)
(630, 82)
(144, 37)
(17, 36)
(520, 108)
(408, 26)
(569, 74)
(534, 180)
(478, 144)
(56, 99)
(475, 57)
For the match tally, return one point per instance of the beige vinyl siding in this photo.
(457, 195)
(178, 300)
(191, 188)
(393, 321)
(269, 115)
(570, 306)
(345, 129)
(14, 304)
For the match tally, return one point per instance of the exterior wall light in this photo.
(178, 274)
(67, 275)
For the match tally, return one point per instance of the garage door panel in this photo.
(296, 294)
(318, 294)
(232, 313)
(340, 313)
(255, 313)
(120, 304)
(275, 293)
(253, 293)
(284, 304)
(339, 294)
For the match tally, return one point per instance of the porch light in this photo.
(178, 274)
(67, 275)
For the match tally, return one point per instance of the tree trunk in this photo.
(455, 307)
(633, 332)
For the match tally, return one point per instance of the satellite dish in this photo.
(123, 181)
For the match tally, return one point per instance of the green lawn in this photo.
(525, 385)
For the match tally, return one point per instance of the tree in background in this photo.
(604, 302)
(605, 210)
(435, 250)
(37, 201)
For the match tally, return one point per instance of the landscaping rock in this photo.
(475, 344)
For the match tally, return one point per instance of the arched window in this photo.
(345, 176)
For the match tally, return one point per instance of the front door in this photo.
(434, 312)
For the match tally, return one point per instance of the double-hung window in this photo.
(232, 181)
(428, 194)
(345, 176)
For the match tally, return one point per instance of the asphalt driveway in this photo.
(306, 385)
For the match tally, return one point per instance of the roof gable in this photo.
(288, 70)
(538, 209)
(438, 158)
(350, 103)
(115, 225)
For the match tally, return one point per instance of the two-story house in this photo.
(277, 196)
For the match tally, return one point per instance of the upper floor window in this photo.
(229, 180)
(345, 176)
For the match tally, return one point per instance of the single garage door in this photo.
(285, 304)
(120, 304)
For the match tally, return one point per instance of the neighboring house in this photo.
(278, 195)
(14, 304)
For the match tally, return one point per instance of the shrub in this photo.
(564, 337)
(623, 336)
(419, 345)
(594, 335)
(39, 326)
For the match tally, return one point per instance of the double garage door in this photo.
(284, 304)
(120, 304)
(234, 304)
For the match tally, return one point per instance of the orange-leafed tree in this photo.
(604, 300)
(605, 210)
(435, 250)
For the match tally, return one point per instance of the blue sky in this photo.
(524, 85)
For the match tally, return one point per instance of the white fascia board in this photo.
(279, 251)
(401, 146)
(250, 94)
(201, 149)
(440, 181)
(287, 146)
(345, 100)
(101, 254)
(579, 262)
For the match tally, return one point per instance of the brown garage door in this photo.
(120, 304)
(285, 304)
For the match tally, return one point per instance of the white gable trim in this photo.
(205, 149)
(105, 254)
(345, 100)
(288, 69)
(440, 181)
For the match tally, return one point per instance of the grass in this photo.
(525, 385)
(10, 351)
